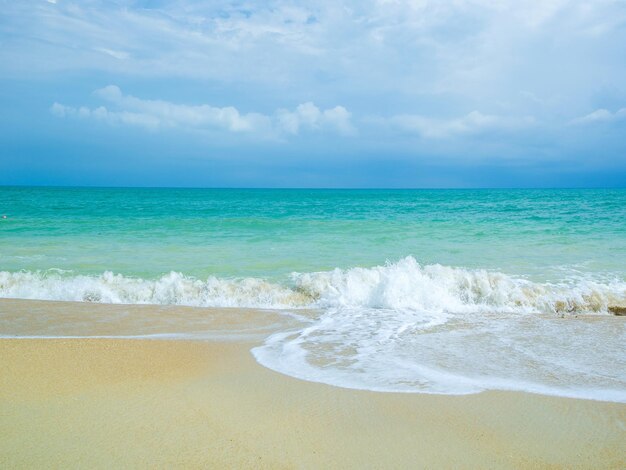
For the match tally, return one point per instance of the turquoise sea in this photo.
(415, 290)
(271, 233)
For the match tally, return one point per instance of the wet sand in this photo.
(103, 403)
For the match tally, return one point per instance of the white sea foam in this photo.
(402, 285)
(171, 289)
(412, 351)
(435, 288)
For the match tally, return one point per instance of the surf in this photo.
(404, 284)
(398, 327)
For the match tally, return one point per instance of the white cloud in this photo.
(120, 55)
(103, 114)
(601, 115)
(472, 123)
(158, 114)
(309, 116)
(166, 114)
(414, 59)
(344, 38)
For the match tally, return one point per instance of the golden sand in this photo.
(101, 403)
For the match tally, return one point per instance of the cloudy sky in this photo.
(370, 93)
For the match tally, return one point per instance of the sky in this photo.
(274, 93)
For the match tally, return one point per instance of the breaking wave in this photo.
(402, 285)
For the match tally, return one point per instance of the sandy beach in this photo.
(102, 403)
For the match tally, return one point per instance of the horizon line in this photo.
(313, 188)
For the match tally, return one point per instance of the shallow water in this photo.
(271, 233)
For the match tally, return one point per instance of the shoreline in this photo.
(102, 402)
(72, 320)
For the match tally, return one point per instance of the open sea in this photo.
(419, 291)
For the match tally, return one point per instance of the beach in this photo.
(312, 329)
(102, 403)
(418, 291)
(105, 402)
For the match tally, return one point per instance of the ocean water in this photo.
(438, 291)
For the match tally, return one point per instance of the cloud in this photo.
(159, 114)
(472, 123)
(437, 69)
(120, 55)
(601, 115)
(307, 40)
(309, 116)
(103, 114)
(166, 114)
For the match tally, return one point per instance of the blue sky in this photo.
(372, 93)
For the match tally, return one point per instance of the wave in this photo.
(402, 285)
(171, 289)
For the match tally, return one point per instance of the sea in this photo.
(412, 291)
